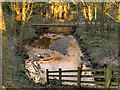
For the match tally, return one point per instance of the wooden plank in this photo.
(53, 71)
(87, 81)
(70, 71)
(95, 76)
(87, 76)
(54, 79)
(69, 75)
(53, 75)
(108, 76)
(116, 69)
(60, 78)
(63, 75)
(103, 69)
(69, 81)
(94, 82)
(116, 76)
(69, 85)
(79, 77)
(47, 76)
(100, 83)
(115, 83)
(99, 76)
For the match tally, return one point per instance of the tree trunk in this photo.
(119, 43)
(17, 9)
(90, 11)
(119, 32)
(4, 47)
(95, 16)
(108, 26)
(91, 27)
(22, 29)
(102, 17)
(86, 21)
(21, 37)
(87, 25)
(0, 46)
(96, 24)
(13, 26)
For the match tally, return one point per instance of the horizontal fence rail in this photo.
(109, 76)
(56, 23)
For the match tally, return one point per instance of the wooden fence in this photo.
(109, 77)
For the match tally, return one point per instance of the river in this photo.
(47, 35)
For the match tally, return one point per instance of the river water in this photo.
(47, 35)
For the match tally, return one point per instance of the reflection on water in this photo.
(41, 43)
(47, 35)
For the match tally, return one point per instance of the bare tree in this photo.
(119, 30)
(102, 17)
(4, 46)
(22, 17)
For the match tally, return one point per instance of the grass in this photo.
(99, 44)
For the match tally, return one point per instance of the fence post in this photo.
(108, 76)
(47, 76)
(60, 73)
(79, 78)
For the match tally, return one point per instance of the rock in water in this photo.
(60, 45)
(63, 53)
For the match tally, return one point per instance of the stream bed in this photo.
(56, 48)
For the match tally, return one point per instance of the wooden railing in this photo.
(110, 76)
(56, 23)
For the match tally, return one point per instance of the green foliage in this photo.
(29, 32)
(95, 63)
(105, 41)
(55, 82)
(21, 71)
(6, 7)
(36, 17)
